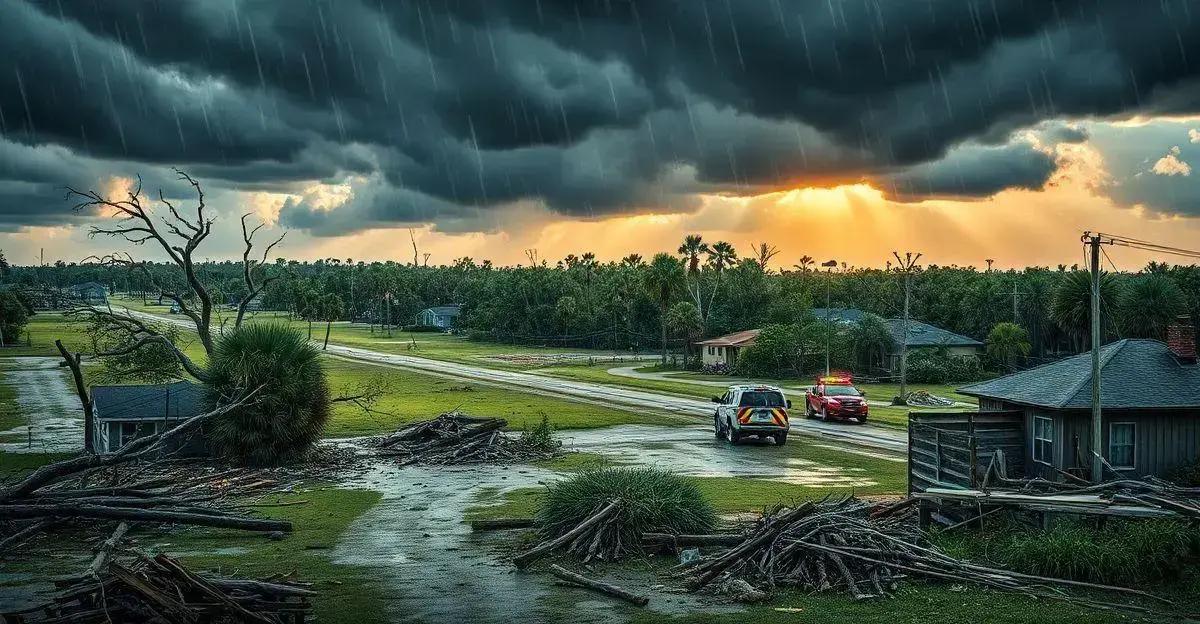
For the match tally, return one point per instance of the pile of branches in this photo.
(160, 589)
(134, 484)
(923, 398)
(863, 549)
(454, 438)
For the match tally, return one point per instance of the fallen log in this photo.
(545, 548)
(106, 549)
(594, 585)
(14, 540)
(662, 540)
(64, 510)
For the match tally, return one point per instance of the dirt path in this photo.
(45, 394)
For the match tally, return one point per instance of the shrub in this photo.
(541, 437)
(291, 403)
(935, 366)
(13, 317)
(422, 328)
(1187, 475)
(650, 500)
(1117, 552)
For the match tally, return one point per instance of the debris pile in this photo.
(922, 398)
(1147, 498)
(454, 438)
(863, 549)
(161, 589)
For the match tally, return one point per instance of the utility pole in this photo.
(828, 286)
(906, 264)
(1093, 243)
(1016, 310)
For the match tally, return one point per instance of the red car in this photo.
(835, 397)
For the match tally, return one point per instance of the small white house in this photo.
(122, 414)
(439, 316)
(725, 349)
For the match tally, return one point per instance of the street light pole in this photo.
(829, 264)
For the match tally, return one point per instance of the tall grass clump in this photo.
(291, 402)
(648, 500)
(1116, 552)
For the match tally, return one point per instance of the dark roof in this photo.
(87, 286)
(926, 335)
(453, 309)
(181, 399)
(1133, 374)
(838, 315)
(919, 334)
(736, 339)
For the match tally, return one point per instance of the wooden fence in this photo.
(954, 449)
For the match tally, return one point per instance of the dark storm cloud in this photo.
(592, 107)
(973, 171)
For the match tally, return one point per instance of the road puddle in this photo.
(45, 393)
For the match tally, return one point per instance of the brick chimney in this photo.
(1181, 339)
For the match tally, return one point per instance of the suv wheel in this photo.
(732, 434)
(717, 426)
(780, 439)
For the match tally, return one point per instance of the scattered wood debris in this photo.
(579, 580)
(1148, 498)
(454, 438)
(854, 546)
(922, 398)
(138, 588)
(586, 540)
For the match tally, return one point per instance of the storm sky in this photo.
(480, 123)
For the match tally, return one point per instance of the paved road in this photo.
(627, 398)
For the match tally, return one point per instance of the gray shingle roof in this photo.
(181, 399)
(919, 334)
(453, 309)
(1133, 374)
(926, 335)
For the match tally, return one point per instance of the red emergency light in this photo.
(837, 380)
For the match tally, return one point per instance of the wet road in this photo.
(44, 393)
(879, 438)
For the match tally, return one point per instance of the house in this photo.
(723, 350)
(121, 414)
(90, 293)
(439, 316)
(1150, 401)
(920, 335)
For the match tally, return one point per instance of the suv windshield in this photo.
(841, 391)
(762, 399)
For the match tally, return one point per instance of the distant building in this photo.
(439, 316)
(725, 349)
(90, 293)
(121, 414)
(920, 335)
(1150, 401)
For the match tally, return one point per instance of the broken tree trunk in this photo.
(545, 548)
(594, 585)
(71, 510)
(106, 550)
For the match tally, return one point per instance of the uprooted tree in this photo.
(292, 397)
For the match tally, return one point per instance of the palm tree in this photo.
(684, 321)
(1007, 342)
(691, 250)
(721, 256)
(805, 264)
(632, 260)
(764, 253)
(663, 278)
(1149, 304)
(1071, 307)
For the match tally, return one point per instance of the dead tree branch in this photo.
(252, 267)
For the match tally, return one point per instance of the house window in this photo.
(1043, 439)
(131, 431)
(1120, 444)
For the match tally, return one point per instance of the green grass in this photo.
(415, 396)
(41, 332)
(15, 465)
(10, 414)
(600, 374)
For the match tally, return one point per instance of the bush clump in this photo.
(649, 499)
(935, 366)
(291, 400)
(1118, 552)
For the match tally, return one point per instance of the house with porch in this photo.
(89, 293)
(723, 350)
(439, 316)
(122, 414)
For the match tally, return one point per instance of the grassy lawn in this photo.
(15, 465)
(41, 332)
(600, 374)
(347, 593)
(10, 415)
(414, 396)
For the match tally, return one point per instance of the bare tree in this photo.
(179, 237)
